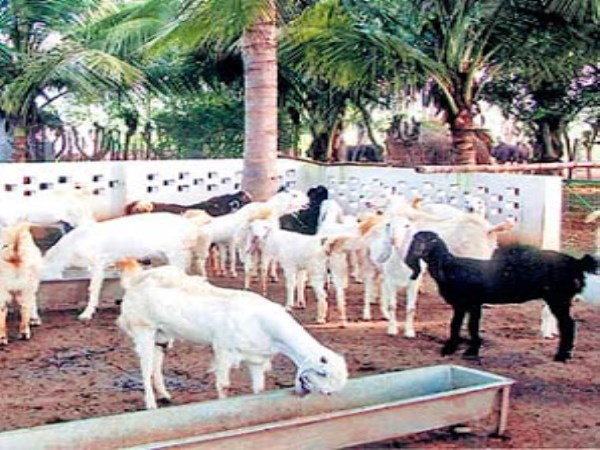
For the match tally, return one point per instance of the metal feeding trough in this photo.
(369, 409)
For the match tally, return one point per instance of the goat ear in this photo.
(23, 227)
(504, 226)
(417, 202)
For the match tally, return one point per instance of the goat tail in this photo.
(589, 264)
(333, 244)
(129, 268)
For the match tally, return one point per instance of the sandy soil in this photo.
(71, 370)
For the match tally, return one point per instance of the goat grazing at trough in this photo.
(515, 274)
(163, 304)
(179, 240)
(20, 268)
(214, 206)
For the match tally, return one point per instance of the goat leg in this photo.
(451, 344)
(3, 313)
(158, 381)
(472, 351)
(566, 326)
(25, 311)
(34, 318)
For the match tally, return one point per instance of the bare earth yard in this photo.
(71, 370)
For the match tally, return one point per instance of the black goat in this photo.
(306, 220)
(214, 206)
(515, 274)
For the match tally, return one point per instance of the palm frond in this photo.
(85, 71)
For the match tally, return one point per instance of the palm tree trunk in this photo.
(463, 138)
(19, 153)
(259, 50)
(549, 140)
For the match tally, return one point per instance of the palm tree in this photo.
(44, 58)
(218, 26)
(259, 51)
(183, 27)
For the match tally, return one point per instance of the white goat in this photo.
(344, 254)
(172, 237)
(228, 231)
(299, 256)
(589, 295)
(164, 304)
(20, 267)
(50, 208)
(472, 204)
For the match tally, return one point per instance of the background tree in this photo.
(457, 44)
(44, 58)
(550, 78)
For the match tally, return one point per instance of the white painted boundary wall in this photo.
(534, 201)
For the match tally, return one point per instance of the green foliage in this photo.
(206, 126)
(50, 57)
(553, 75)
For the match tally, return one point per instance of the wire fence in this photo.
(580, 198)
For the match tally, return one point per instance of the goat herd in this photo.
(312, 240)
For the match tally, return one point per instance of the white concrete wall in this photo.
(534, 201)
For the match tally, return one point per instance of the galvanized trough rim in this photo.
(502, 382)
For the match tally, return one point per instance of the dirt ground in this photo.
(71, 370)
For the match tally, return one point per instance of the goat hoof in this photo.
(449, 349)
(3, 341)
(35, 322)
(25, 336)
(410, 334)
(85, 317)
(164, 401)
(563, 356)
